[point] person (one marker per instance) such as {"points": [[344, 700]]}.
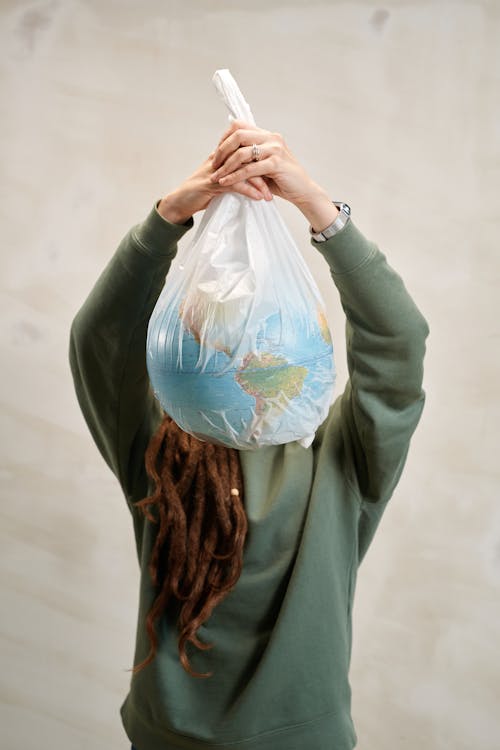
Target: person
{"points": [[249, 557]]}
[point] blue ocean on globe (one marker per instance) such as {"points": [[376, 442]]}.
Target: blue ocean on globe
{"points": [[276, 393]]}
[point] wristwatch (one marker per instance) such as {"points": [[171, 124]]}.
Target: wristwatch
{"points": [[339, 223]]}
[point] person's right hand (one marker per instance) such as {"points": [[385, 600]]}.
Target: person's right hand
{"points": [[196, 192]]}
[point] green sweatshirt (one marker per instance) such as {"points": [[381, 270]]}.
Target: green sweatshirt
{"points": [[282, 637]]}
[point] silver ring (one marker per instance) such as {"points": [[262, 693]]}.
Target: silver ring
{"points": [[255, 152]]}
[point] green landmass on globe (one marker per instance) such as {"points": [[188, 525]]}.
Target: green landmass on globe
{"points": [[264, 375], [267, 376]]}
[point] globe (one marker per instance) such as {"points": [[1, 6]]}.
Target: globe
{"points": [[276, 391]]}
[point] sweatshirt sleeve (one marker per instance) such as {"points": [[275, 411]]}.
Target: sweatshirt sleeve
{"points": [[385, 342], [107, 348]]}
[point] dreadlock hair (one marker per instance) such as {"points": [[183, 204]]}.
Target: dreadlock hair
{"points": [[197, 556]]}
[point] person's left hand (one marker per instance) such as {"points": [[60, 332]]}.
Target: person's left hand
{"points": [[196, 192], [277, 166]]}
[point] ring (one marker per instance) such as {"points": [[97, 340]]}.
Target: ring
{"points": [[255, 152]]}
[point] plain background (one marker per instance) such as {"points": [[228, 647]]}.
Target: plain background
{"points": [[394, 108]]}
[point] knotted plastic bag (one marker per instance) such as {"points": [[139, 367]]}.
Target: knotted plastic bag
{"points": [[239, 352]]}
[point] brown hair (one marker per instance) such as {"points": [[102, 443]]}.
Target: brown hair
{"points": [[198, 496]]}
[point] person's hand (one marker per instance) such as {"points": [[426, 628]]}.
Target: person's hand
{"points": [[280, 169], [277, 166], [196, 192]]}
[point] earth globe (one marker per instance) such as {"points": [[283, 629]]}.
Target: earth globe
{"points": [[271, 388]]}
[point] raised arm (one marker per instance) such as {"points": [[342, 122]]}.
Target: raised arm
{"points": [[107, 349], [383, 398]]}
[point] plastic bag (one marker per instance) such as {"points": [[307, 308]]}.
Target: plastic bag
{"points": [[239, 352]]}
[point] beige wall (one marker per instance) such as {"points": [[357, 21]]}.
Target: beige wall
{"points": [[105, 105]]}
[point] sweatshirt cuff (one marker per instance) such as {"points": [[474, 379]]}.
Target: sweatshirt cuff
{"points": [[346, 250], [158, 236]]}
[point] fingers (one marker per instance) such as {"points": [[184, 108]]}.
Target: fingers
{"points": [[242, 155], [254, 169], [262, 186], [235, 125], [233, 163], [235, 139], [245, 188]]}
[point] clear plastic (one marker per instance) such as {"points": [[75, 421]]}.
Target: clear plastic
{"points": [[239, 352]]}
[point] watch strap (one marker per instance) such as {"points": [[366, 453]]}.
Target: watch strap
{"points": [[336, 226]]}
